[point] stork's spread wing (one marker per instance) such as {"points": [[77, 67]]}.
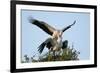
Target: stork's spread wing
{"points": [[48, 43], [64, 29], [44, 26]]}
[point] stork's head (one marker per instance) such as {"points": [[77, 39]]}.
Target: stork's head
{"points": [[57, 34]]}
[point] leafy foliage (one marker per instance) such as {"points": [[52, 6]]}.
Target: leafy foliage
{"points": [[62, 55], [66, 54]]}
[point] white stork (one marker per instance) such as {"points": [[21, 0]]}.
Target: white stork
{"points": [[55, 42]]}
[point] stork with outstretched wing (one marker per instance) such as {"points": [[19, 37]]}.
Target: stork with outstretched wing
{"points": [[55, 42]]}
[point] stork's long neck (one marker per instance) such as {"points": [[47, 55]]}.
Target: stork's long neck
{"points": [[57, 36]]}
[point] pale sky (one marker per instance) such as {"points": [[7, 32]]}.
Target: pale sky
{"points": [[78, 35]]}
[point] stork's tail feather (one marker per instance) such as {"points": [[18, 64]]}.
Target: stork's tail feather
{"points": [[41, 47]]}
